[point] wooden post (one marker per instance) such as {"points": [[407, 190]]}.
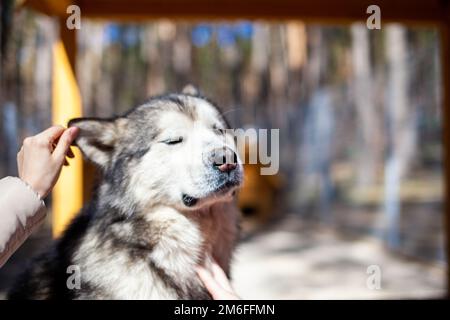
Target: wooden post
{"points": [[445, 62], [66, 104]]}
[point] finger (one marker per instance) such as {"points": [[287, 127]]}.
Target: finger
{"points": [[69, 154], [64, 143], [211, 285], [50, 135], [220, 276], [66, 163]]}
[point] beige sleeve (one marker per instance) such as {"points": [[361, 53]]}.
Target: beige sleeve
{"points": [[21, 212]]}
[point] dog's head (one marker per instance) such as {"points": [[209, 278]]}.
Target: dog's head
{"points": [[173, 150]]}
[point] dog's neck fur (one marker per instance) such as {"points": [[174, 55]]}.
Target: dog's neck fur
{"points": [[172, 243], [218, 224]]}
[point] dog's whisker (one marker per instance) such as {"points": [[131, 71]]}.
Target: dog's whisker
{"points": [[230, 110]]}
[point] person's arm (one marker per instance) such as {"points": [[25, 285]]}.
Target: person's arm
{"points": [[39, 164], [22, 210]]}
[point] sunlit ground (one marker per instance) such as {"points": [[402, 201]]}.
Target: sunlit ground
{"points": [[292, 260]]}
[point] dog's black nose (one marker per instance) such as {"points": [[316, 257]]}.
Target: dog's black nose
{"points": [[224, 159]]}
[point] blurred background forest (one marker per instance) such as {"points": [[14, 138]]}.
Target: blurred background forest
{"points": [[359, 113]]}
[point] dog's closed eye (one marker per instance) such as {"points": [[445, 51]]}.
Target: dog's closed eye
{"points": [[218, 130], [172, 141]]}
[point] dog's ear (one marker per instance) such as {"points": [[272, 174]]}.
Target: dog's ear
{"points": [[97, 138], [191, 90]]}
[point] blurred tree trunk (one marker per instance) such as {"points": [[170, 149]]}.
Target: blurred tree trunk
{"points": [[368, 122], [156, 83], [254, 80], [401, 128], [6, 16], [10, 84], [89, 72], [317, 122], [278, 78], [296, 42], [182, 57], [42, 74]]}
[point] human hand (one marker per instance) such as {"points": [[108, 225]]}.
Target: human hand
{"points": [[217, 283], [42, 156]]}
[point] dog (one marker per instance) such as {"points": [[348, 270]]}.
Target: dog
{"points": [[163, 205]]}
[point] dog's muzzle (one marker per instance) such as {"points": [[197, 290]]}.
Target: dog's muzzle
{"points": [[227, 174]]}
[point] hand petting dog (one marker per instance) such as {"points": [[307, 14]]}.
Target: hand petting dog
{"points": [[42, 156], [39, 163]]}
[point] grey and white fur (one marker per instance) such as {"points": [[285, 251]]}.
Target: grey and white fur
{"points": [[163, 205]]}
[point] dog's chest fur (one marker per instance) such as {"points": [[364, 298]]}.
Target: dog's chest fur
{"points": [[154, 256]]}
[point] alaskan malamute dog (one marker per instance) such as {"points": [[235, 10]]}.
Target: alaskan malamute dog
{"points": [[164, 204]]}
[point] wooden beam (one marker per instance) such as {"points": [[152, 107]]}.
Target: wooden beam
{"points": [[67, 197], [50, 7], [408, 11], [323, 11]]}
